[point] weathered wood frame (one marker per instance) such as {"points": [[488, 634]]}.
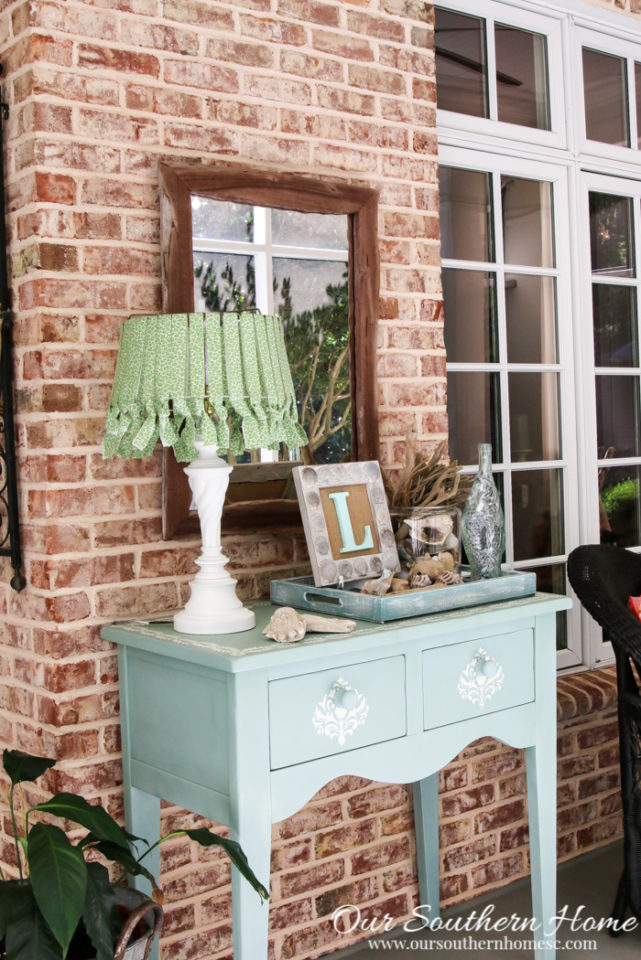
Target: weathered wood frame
{"points": [[285, 191]]}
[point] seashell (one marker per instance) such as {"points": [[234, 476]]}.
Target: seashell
{"points": [[426, 566], [450, 577], [451, 544], [378, 587], [285, 626], [420, 580], [398, 585], [317, 624]]}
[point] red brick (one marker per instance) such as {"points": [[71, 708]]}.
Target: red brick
{"points": [[119, 602], [374, 801], [159, 36], [310, 10], [383, 29], [200, 12], [340, 45], [243, 114], [55, 188], [205, 76], [121, 61], [58, 397], [291, 61], [346, 101], [291, 854], [499, 816], [344, 838], [358, 892], [498, 870], [457, 858], [371, 78], [248, 54], [373, 858]]}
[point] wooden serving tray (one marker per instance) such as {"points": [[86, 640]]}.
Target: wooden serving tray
{"points": [[302, 593]]}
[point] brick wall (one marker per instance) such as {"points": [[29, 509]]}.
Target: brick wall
{"points": [[99, 93]]}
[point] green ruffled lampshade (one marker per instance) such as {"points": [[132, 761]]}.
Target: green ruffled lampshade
{"points": [[224, 376]]}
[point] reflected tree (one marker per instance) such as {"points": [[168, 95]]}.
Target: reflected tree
{"points": [[317, 346]]}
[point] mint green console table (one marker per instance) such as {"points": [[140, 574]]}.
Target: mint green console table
{"points": [[244, 731]]}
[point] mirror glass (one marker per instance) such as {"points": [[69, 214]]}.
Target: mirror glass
{"points": [[295, 265]]}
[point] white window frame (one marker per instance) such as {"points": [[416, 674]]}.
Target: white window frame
{"points": [[569, 25]]}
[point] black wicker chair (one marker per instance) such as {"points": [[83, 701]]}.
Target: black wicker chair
{"points": [[603, 578]]}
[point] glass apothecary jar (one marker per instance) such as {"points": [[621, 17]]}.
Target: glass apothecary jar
{"points": [[427, 531]]}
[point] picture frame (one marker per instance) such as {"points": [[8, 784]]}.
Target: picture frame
{"points": [[346, 521]]}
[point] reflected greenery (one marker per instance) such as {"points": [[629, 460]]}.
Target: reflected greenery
{"points": [[317, 345]]}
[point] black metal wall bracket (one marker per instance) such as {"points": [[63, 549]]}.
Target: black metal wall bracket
{"points": [[9, 516]]}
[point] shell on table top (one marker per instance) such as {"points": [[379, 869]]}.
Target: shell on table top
{"points": [[286, 626], [317, 624]]}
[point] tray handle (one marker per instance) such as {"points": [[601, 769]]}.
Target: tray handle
{"points": [[317, 599]]}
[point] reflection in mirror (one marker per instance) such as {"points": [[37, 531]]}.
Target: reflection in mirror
{"points": [[234, 236], [293, 264]]}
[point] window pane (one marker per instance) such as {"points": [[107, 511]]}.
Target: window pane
{"points": [[637, 84], [606, 98], [617, 413], [537, 507], [611, 241], [530, 307], [461, 63], [223, 281], [620, 508], [473, 406], [534, 416], [325, 230], [466, 215], [527, 222], [469, 301], [521, 77], [311, 296], [551, 579], [221, 220], [615, 326], [301, 285]]}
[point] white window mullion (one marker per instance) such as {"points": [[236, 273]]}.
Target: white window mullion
{"points": [[492, 96]]}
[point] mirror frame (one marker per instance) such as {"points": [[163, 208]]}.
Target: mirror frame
{"points": [[285, 191]]}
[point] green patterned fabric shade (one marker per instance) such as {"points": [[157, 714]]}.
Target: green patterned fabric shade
{"points": [[222, 376]]}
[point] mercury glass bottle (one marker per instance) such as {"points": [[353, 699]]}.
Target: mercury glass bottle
{"points": [[483, 528]]}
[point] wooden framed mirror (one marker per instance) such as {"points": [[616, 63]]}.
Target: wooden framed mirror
{"points": [[185, 193]]}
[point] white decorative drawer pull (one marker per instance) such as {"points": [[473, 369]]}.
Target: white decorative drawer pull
{"points": [[481, 679], [340, 712]]}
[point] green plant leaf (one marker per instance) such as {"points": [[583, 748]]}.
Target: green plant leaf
{"points": [[14, 897], [95, 818], [27, 935], [207, 838], [126, 859], [100, 902], [22, 767], [59, 880]]}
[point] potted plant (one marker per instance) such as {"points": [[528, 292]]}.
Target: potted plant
{"points": [[64, 905]]}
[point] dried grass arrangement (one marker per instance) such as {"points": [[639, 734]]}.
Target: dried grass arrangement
{"points": [[428, 483]]}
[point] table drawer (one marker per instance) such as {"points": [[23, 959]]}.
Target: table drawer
{"points": [[333, 711], [471, 679]]}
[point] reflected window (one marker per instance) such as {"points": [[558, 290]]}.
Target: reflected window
{"points": [[522, 77], [461, 63], [605, 92], [293, 264], [611, 241]]}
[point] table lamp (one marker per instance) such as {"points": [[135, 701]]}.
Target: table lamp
{"points": [[203, 382]]}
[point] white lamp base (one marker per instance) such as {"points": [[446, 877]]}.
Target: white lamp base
{"points": [[213, 606]]}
